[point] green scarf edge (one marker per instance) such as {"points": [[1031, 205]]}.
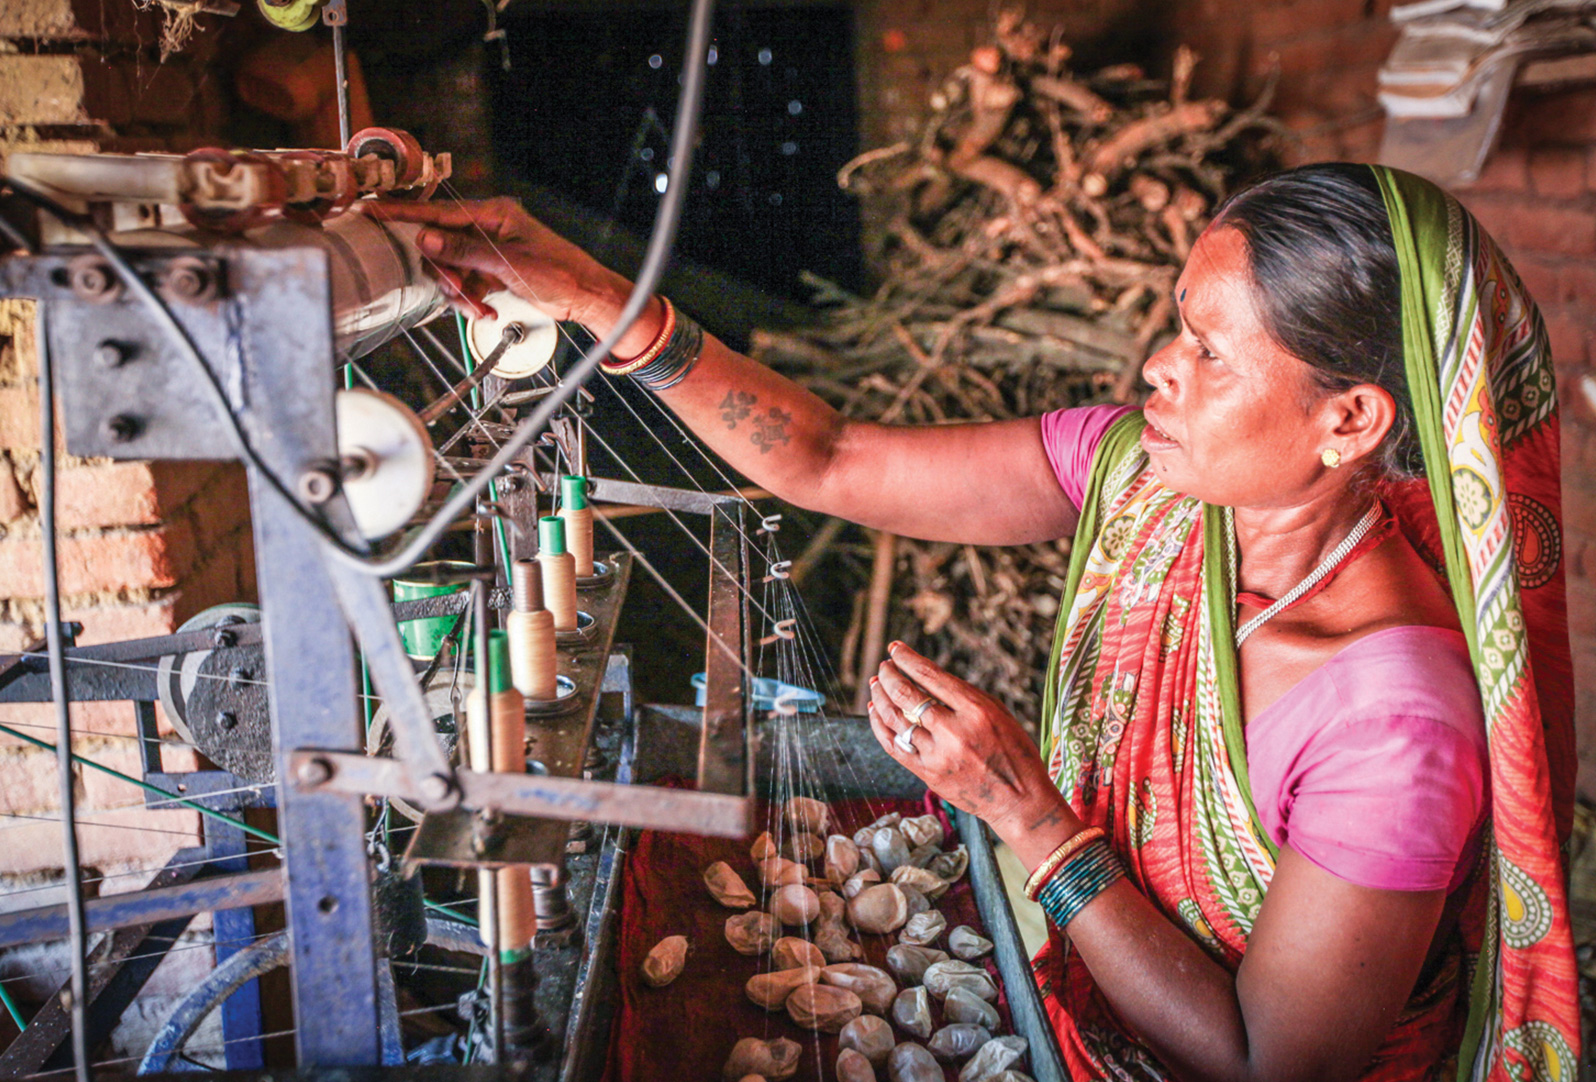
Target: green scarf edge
{"points": [[1122, 439], [1221, 594], [1407, 199]]}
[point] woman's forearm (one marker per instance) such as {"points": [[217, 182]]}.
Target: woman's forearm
{"points": [[778, 434], [1329, 965], [1159, 981]]}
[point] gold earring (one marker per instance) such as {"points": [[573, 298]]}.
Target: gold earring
{"points": [[1330, 457]]}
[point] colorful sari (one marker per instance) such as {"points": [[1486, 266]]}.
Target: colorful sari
{"points": [[1144, 732]]}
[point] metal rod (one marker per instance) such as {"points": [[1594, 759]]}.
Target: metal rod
{"points": [[340, 64], [513, 333], [221, 817], [489, 930], [76, 933]]}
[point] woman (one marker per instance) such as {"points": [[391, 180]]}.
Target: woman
{"points": [[1268, 817]]}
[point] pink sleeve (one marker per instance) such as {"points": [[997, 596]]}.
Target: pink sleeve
{"points": [[1392, 806], [1374, 767], [1070, 438]]}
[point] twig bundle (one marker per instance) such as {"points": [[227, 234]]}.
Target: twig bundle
{"points": [[1028, 241]]}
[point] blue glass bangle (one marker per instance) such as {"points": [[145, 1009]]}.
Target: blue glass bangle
{"points": [[678, 357], [1082, 878]]}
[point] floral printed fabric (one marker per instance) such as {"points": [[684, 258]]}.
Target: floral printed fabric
{"points": [[1144, 727]]}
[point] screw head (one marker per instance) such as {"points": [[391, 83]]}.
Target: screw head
{"points": [[189, 279], [123, 428], [434, 788], [92, 279], [315, 771], [223, 639], [317, 485], [226, 719], [109, 354]]}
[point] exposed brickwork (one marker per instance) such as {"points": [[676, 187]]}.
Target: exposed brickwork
{"points": [[142, 546]]}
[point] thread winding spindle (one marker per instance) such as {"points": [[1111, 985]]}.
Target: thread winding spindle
{"points": [[559, 572], [534, 657], [578, 516]]}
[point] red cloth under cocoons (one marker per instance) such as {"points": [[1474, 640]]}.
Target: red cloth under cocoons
{"points": [[686, 1030]]}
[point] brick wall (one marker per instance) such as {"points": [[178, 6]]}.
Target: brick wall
{"points": [[1536, 196], [143, 546]]}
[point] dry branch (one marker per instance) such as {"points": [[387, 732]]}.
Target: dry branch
{"points": [[1031, 235]]}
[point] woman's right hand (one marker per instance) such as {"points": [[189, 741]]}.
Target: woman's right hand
{"points": [[480, 247]]}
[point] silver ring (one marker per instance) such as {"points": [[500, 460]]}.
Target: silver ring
{"points": [[914, 712], [905, 739]]}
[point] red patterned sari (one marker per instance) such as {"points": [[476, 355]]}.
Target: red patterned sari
{"points": [[1145, 733]]}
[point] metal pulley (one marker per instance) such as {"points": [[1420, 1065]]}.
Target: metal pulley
{"points": [[540, 336], [385, 457], [216, 698]]}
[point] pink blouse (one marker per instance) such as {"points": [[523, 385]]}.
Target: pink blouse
{"points": [[1374, 767]]}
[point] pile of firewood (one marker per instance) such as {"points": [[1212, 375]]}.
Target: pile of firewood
{"points": [[1028, 241]]}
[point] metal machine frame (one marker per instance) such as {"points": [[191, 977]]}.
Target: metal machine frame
{"points": [[129, 394]]}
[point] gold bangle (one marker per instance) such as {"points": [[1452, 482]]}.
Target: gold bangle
{"points": [[1068, 848], [655, 348]]}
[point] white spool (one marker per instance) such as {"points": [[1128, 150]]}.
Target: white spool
{"points": [[381, 432], [531, 354]]}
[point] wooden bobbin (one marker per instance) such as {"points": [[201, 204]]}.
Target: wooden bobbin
{"points": [[496, 728], [578, 518], [534, 659], [579, 536], [559, 572]]}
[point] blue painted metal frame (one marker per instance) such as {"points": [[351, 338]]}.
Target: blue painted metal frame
{"points": [[232, 929]]}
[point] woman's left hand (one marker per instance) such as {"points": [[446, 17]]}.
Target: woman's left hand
{"points": [[967, 747]]}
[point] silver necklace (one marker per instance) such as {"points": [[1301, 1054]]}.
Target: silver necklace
{"points": [[1339, 553]]}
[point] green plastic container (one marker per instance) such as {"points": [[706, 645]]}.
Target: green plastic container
{"points": [[422, 638]]}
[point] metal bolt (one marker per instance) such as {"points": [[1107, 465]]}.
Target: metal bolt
{"points": [[109, 354], [435, 788], [226, 719], [239, 676], [510, 484], [486, 831], [317, 485], [315, 771], [189, 279], [513, 333], [93, 280], [224, 639], [123, 428]]}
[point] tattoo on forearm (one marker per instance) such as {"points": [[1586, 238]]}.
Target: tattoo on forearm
{"points": [[770, 428], [735, 406], [1051, 817]]}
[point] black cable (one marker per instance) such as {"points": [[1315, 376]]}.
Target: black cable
{"points": [[77, 934]]}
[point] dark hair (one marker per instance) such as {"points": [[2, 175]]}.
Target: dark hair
{"points": [[1325, 268]]}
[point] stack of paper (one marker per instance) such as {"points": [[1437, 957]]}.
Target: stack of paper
{"points": [[1450, 49]]}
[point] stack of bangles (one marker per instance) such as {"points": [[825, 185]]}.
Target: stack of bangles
{"points": [[669, 358], [1075, 874]]}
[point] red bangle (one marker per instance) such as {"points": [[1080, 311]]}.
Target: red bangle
{"points": [[625, 368], [1056, 860]]}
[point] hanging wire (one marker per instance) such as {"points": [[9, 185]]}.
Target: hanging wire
{"points": [[77, 933], [221, 817]]}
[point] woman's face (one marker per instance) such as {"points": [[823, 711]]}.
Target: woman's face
{"points": [[1234, 419]]}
